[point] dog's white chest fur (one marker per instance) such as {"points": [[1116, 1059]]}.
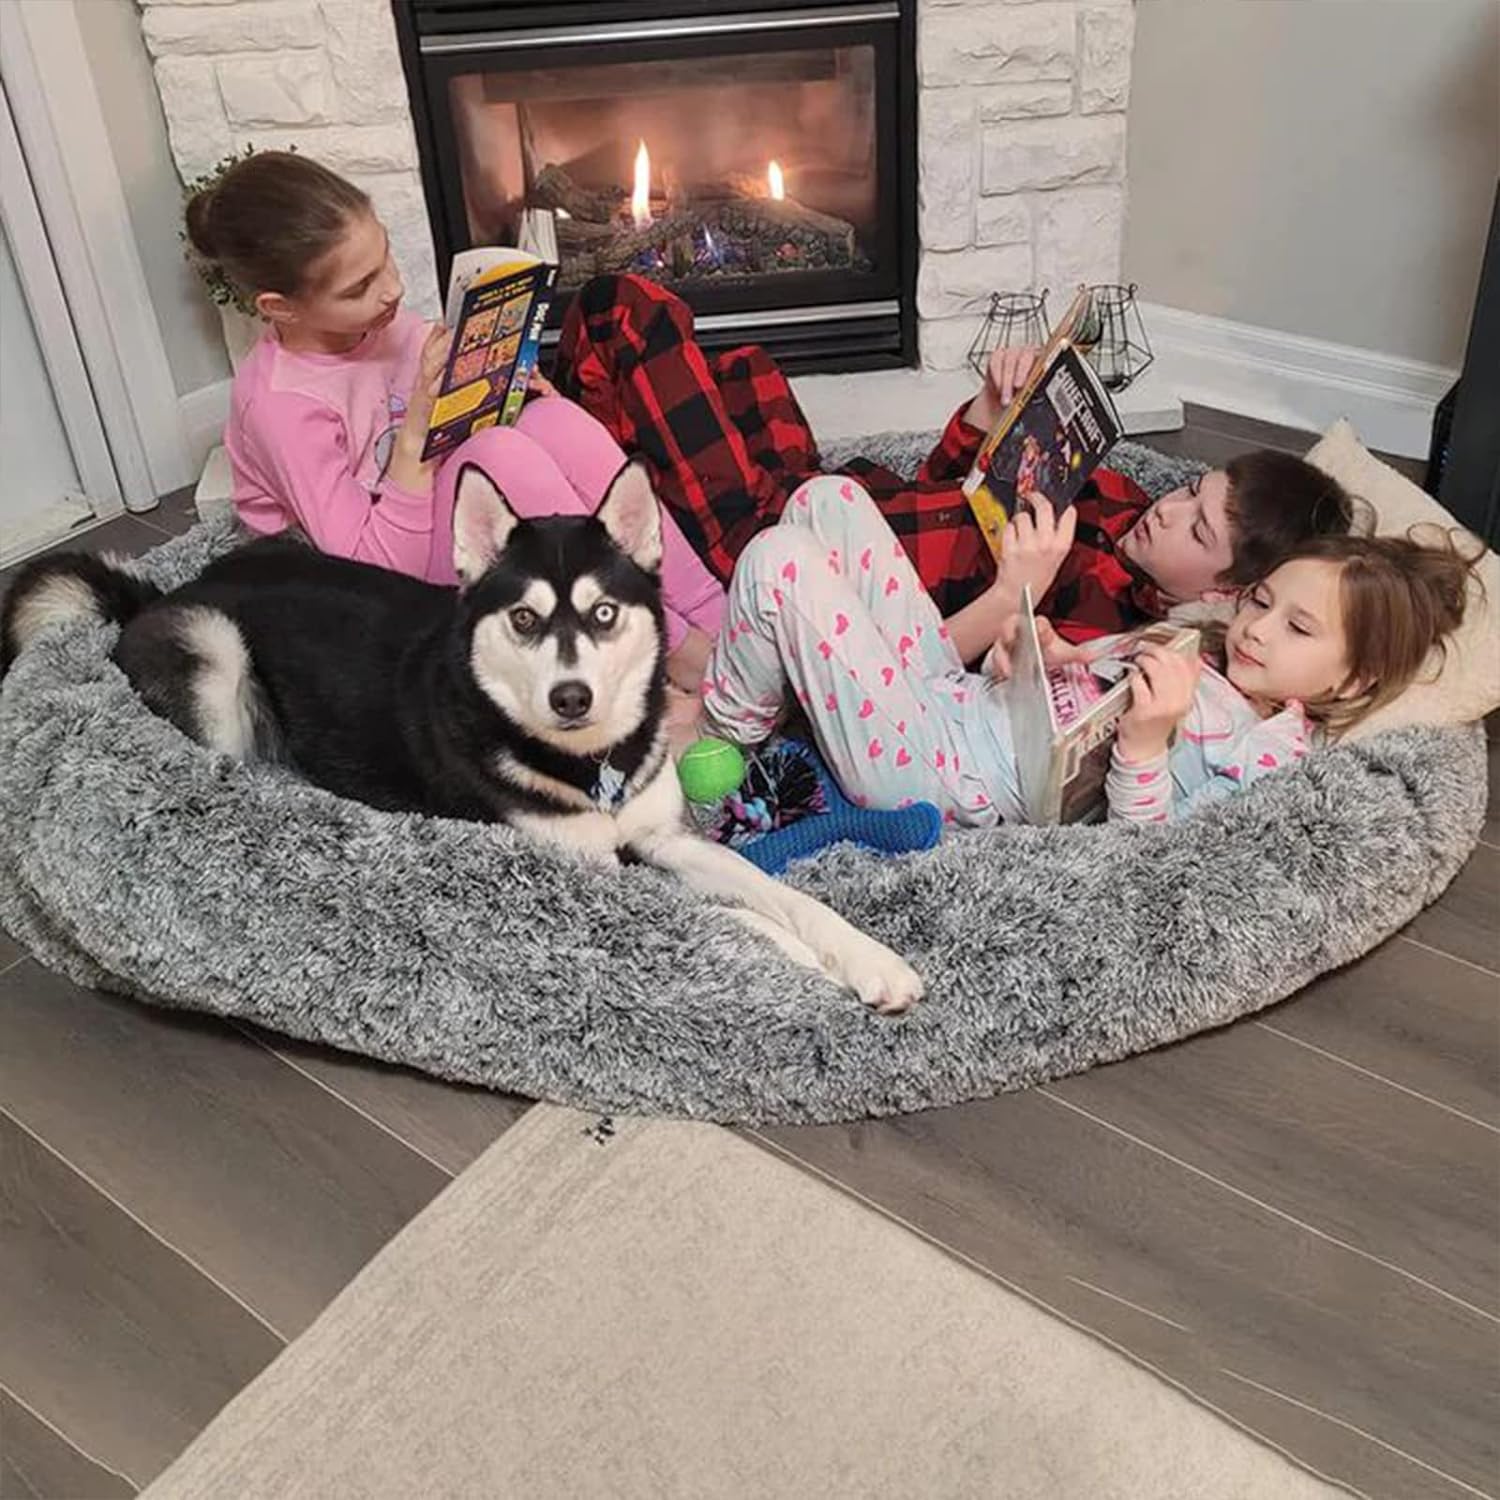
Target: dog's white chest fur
{"points": [[600, 833]]}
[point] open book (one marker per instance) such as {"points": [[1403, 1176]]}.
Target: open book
{"points": [[1063, 719], [497, 306], [1053, 434]]}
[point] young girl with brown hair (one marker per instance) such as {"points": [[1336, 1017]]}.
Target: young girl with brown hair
{"points": [[330, 409]]}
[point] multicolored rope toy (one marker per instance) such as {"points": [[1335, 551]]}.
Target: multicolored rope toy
{"points": [[789, 806]]}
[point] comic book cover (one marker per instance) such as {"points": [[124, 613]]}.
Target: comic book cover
{"points": [[497, 306], [1047, 445]]}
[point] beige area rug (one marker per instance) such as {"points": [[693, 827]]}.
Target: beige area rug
{"points": [[670, 1311]]}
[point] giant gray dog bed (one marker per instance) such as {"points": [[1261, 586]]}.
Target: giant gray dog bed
{"points": [[132, 860]]}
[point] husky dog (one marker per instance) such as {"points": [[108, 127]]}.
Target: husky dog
{"points": [[533, 695]]}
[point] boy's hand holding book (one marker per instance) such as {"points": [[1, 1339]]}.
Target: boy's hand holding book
{"points": [[1036, 545], [1007, 372]]}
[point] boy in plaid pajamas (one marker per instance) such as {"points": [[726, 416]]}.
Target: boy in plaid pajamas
{"points": [[728, 444]]}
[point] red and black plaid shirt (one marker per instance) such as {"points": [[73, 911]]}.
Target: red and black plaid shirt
{"points": [[729, 444]]}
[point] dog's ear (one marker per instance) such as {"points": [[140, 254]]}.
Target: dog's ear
{"points": [[631, 514], [482, 523]]}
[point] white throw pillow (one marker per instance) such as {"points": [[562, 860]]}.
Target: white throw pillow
{"points": [[1464, 685]]}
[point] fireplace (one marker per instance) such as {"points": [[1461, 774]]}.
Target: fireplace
{"points": [[1000, 166], [761, 163]]}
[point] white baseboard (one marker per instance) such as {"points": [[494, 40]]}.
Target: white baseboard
{"points": [[1295, 381], [202, 414], [70, 514]]}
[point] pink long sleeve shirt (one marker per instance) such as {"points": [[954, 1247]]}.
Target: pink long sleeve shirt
{"points": [[310, 437]]}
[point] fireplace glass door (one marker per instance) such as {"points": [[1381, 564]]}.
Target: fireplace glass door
{"points": [[752, 162]]}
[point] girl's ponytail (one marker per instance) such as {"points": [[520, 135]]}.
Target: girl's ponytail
{"points": [[1440, 576], [198, 215], [270, 219]]}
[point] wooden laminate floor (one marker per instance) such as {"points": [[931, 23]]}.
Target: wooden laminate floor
{"points": [[1295, 1219]]}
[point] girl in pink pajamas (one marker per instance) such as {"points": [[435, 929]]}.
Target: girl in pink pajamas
{"points": [[825, 609], [330, 410]]}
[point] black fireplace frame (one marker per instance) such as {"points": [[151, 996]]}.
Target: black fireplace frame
{"points": [[820, 320]]}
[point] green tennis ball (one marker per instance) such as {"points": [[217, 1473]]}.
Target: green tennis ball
{"points": [[710, 769]]}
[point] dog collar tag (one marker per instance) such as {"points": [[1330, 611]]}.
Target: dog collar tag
{"points": [[609, 788]]}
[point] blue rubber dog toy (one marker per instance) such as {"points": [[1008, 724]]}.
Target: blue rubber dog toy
{"points": [[904, 830]]}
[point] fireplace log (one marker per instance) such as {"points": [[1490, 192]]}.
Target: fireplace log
{"points": [[761, 232], [528, 155], [740, 185], [678, 194], [751, 185], [583, 235], [578, 245], [554, 188], [792, 221], [629, 244]]}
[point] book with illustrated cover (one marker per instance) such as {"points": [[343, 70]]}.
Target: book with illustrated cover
{"points": [[1063, 719], [497, 306], [1053, 434]]}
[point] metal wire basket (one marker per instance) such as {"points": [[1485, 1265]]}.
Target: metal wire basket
{"points": [[1013, 319], [1122, 350]]}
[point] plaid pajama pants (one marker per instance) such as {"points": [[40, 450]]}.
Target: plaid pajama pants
{"points": [[729, 443]]}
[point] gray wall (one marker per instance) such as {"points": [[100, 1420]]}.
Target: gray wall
{"points": [[153, 192], [1320, 167]]}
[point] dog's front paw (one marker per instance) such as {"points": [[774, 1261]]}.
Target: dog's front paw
{"points": [[884, 981]]}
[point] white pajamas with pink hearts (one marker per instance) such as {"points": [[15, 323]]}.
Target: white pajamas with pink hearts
{"points": [[1222, 746], [826, 607]]}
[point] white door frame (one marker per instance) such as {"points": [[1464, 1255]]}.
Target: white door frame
{"points": [[48, 306], [72, 171]]}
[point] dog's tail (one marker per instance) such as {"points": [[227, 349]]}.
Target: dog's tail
{"points": [[68, 586]]}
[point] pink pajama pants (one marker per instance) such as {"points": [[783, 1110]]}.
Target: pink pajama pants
{"points": [[825, 607]]}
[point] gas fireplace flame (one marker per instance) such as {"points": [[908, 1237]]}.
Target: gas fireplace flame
{"points": [[774, 179], [640, 197]]}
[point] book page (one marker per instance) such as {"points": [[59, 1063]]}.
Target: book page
{"points": [[1033, 727], [482, 263]]}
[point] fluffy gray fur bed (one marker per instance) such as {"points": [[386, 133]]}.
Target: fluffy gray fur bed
{"points": [[132, 860]]}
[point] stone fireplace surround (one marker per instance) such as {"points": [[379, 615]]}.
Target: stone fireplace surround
{"points": [[1021, 152]]}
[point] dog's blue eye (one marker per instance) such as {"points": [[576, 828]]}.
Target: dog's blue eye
{"points": [[524, 621], [604, 614]]}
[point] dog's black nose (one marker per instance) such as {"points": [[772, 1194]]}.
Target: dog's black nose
{"points": [[571, 700]]}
